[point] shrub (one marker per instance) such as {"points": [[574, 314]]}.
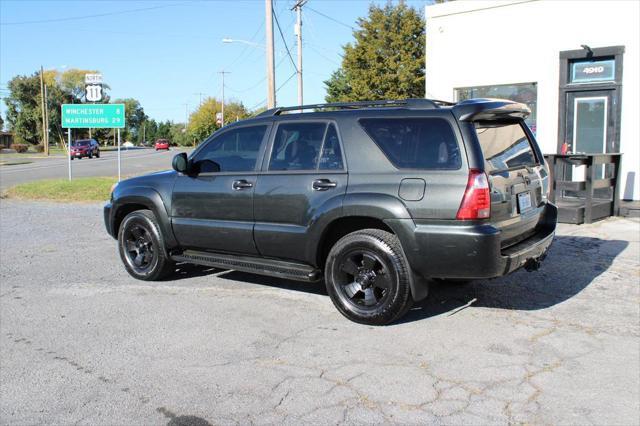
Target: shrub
{"points": [[39, 147], [19, 147]]}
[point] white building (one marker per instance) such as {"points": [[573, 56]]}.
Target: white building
{"points": [[575, 63]]}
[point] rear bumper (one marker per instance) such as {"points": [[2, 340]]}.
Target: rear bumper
{"points": [[470, 251]]}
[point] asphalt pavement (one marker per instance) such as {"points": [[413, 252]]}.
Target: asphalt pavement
{"points": [[81, 342], [134, 162]]}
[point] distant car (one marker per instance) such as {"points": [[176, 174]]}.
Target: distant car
{"points": [[162, 144], [85, 148], [128, 144]]}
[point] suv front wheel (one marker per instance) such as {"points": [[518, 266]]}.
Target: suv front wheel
{"points": [[367, 277], [142, 248]]}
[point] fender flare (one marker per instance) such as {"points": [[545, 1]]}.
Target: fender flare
{"points": [[152, 200], [376, 206]]}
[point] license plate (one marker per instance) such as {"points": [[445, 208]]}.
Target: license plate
{"points": [[524, 201]]}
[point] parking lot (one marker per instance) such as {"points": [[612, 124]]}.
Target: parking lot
{"points": [[82, 342]]}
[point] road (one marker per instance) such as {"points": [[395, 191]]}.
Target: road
{"points": [[134, 162], [82, 342]]}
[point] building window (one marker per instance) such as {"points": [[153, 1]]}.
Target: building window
{"points": [[526, 93]]}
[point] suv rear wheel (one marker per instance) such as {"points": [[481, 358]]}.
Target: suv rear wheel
{"points": [[367, 277], [142, 248]]}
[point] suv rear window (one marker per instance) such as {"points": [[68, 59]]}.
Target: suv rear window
{"points": [[415, 143], [504, 145]]}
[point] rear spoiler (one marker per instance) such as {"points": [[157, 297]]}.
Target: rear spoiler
{"points": [[489, 109]]}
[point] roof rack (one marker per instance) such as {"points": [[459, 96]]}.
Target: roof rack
{"points": [[410, 103]]}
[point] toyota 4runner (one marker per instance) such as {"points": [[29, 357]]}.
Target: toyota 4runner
{"points": [[375, 197]]}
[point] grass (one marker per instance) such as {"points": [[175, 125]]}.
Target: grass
{"points": [[63, 190]]}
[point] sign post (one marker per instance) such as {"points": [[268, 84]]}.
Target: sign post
{"points": [[69, 148], [119, 155], [82, 116]]}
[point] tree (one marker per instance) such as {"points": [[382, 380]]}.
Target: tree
{"points": [[338, 88], [386, 61], [134, 117], [1, 123], [202, 122], [179, 136], [24, 113], [72, 82], [164, 130]]}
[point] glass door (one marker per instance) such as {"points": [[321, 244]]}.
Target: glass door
{"points": [[589, 130]]}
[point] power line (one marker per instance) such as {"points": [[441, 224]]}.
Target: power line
{"points": [[280, 87], [285, 43], [258, 83], [330, 18], [246, 46], [96, 15]]}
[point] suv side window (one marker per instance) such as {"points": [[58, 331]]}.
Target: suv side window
{"points": [[233, 151], [296, 146], [415, 143]]}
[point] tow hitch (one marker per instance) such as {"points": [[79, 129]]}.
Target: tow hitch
{"points": [[534, 264]]}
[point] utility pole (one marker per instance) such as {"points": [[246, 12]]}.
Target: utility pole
{"points": [[199, 94], [298, 9], [186, 116], [44, 122], [223, 72], [271, 77]]}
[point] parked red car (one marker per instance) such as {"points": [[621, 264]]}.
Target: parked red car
{"points": [[162, 144], [85, 148]]}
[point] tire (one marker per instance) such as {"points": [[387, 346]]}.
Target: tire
{"points": [[90, 155], [354, 277], [139, 233], [71, 158], [98, 154]]}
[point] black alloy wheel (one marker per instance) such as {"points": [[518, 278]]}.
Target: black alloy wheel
{"points": [[141, 247], [365, 279], [368, 277]]}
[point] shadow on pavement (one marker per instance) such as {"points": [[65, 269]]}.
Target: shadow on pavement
{"points": [[571, 265]]}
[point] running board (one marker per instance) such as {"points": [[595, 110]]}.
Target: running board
{"points": [[254, 265]]}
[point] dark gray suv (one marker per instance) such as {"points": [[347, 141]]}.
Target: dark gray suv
{"points": [[375, 197]]}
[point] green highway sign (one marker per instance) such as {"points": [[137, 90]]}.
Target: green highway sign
{"points": [[84, 116]]}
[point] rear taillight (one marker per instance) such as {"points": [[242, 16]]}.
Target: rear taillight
{"points": [[476, 202]]}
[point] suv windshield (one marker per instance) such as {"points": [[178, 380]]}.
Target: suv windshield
{"points": [[81, 143], [504, 145]]}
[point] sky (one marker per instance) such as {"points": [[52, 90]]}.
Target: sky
{"points": [[167, 54]]}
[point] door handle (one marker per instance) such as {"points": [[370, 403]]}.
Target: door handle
{"points": [[323, 184], [241, 184]]}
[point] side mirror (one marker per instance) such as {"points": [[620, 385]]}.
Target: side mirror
{"points": [[180, 163]]}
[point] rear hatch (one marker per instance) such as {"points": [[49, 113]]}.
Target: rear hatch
{"points": [[517, 178]]}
